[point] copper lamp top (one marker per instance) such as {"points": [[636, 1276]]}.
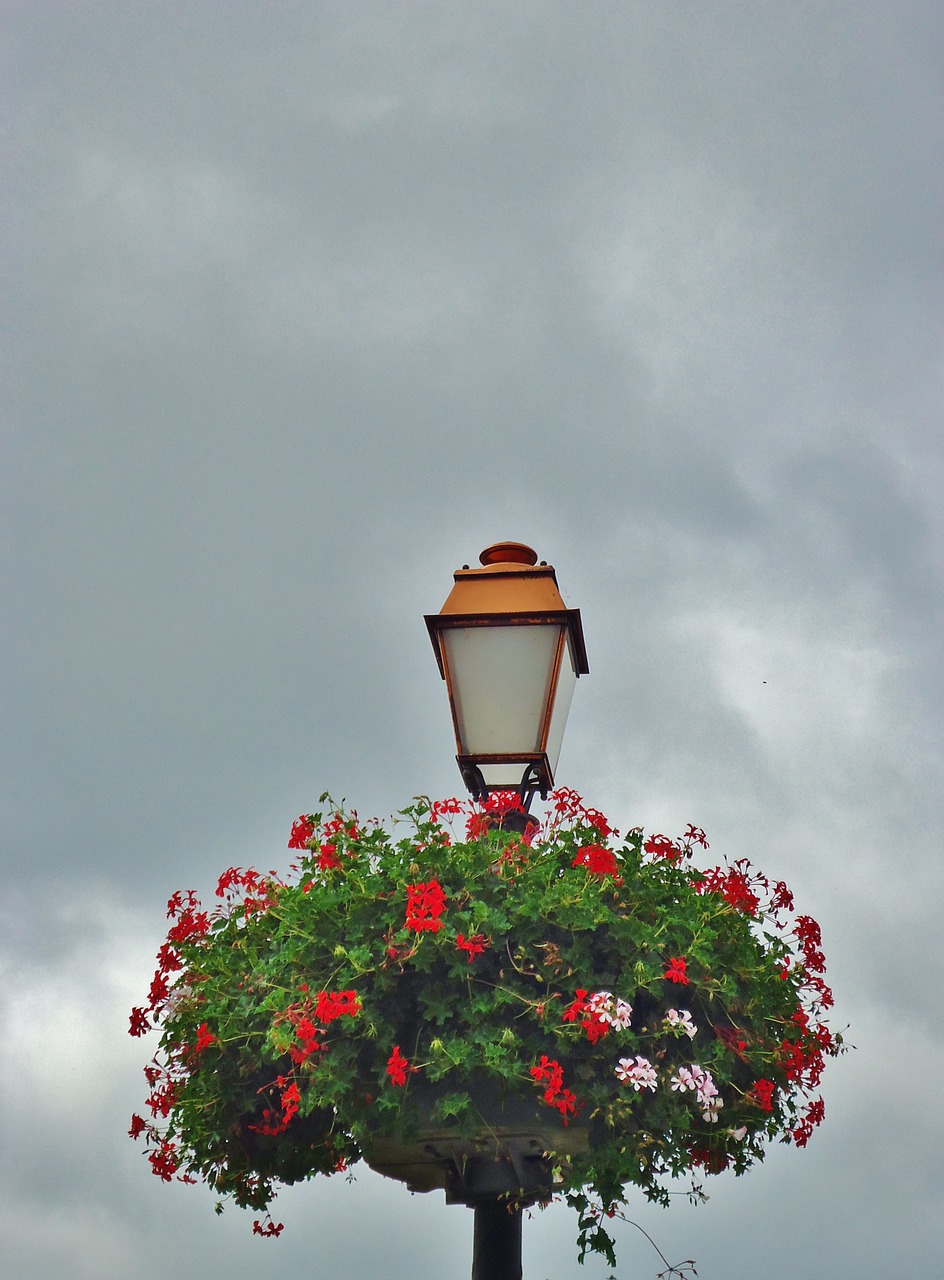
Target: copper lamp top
{"points": [[508, 553]]}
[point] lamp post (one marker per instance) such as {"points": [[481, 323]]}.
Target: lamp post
{"points": [[510, 652]]}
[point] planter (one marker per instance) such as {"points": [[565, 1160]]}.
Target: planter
{"points": [[507, 1150]]}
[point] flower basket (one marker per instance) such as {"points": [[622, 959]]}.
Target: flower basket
{"points": [[505, 1147], [556, 1011]]}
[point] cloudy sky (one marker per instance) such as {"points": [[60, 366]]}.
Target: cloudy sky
{"points": [[306, 304]]}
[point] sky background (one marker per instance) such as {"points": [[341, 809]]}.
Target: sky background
{"points": [[306, 304]]}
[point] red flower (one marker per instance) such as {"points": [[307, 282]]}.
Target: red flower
{"points": [[476, 826], [710, 1161], [158, 991], [595, 1026], [290, 1100], [808, 932], [813, 1116], [663, 847], [598, 861], [179, 900], [502, 802], [328, 857], [204, 1038], [445, 809], [302, 830], [550, 1073], [762, 1093], [139, 1023], [473, 946], [576, 1007], [190, 924], [398, 1068], [596, 819], [164, 1161], [138, 1126], [425, 905], [565, 1102], [675, 971], [269, 1229], [336, 1004], [168, 960], [161, 1099]]}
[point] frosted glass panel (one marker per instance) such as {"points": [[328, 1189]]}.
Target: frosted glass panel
{"points": [[500, 678], [565, 693], [504, 776]]}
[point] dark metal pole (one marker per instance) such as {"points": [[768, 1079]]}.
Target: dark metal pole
{"points": [[496, 1243]]}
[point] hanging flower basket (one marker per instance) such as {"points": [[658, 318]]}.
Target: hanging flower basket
{"points": [[553, 1012]]}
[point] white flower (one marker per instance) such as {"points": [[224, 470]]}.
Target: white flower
{"points": [[711, 1110], [683, 1019], [601, 1004], [622, 1017], [707, 1089], [638, 1072], [683, 1080]]}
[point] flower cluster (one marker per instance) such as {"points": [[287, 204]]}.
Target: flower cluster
{"points": [[550, 1074], [424, 907], [388, 984]]}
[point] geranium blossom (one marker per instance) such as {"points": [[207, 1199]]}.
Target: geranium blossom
{"points": [[597, 860], [550, 1073], [663, 847], [638, 1072], [675, 971], [302, 830], [683, 1080], [681, 1019], [614, 1012], [398, 1067], [473, 946], [425, 905], [580, 1010], [762, 1093]]}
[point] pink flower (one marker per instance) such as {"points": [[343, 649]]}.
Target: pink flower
{"points": [[638, 1072]]}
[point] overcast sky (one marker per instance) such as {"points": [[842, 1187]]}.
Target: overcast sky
{"points": [[306, 304]]}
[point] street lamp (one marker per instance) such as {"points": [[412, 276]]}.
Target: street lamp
{"points": [[510, 652]]}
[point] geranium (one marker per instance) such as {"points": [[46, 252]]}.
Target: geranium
{"points": [[398, 1068], [763, 1093], [473, 946], [425, 905], [302, 830], [681, 1020], [597, 860], [392, 985], [638, 1072], [675, 971]]}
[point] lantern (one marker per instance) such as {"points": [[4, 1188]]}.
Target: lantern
{"points": [[510, 652]]}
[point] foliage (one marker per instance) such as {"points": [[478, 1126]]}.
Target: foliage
{"points": [[675, 1014]]}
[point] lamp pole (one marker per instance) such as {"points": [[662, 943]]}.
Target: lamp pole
{"points": [[496, 1241]]}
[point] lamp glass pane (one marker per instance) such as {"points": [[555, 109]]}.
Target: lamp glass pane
{"points": [[500, 678], [566, 684], [506, 777]]}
